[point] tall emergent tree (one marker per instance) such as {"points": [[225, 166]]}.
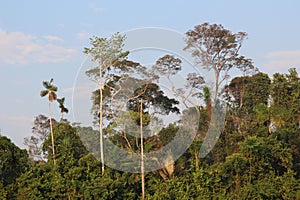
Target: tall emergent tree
{"points": [[110, 58], [50, 90], [216, 48], [142, 148], [145, 99]]}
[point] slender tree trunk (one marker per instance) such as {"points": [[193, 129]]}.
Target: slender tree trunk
{"points": [[52, 136], [217, 76], [142, 149], [101, 121]]}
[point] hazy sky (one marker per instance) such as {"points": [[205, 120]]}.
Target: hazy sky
{"points": [[40, 40]]}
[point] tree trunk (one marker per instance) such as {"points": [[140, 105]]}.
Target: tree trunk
{"points": [[52, 136], [101, 121], [142, 149], [217, 76]]}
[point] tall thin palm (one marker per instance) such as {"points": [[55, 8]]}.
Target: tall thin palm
{"points": [[62, 107], [49, 91]]}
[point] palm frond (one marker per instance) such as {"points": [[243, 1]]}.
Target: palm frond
{"points": [[43, 93], [61, 105], [61, 101], [64, 109], [46, 84], [52, 96], [53, 88]]}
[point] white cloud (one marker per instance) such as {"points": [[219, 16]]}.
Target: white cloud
{"points": [[83, 35], [282, 60], [53, 38], [20, 48]]}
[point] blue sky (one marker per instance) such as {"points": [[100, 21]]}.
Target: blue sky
{"points": [[44, 39]]}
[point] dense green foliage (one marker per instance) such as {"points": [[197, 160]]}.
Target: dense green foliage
{"points": [[256, 157]]}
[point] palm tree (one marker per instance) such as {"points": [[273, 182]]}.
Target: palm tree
{"points": [[62, 107], [49, 91]]}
